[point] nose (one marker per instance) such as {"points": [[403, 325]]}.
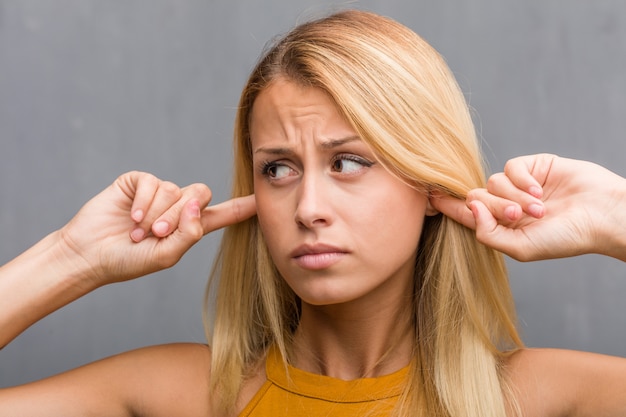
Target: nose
{"points": [[312, 207]]}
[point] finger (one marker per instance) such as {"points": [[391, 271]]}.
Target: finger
{"points": [[228, 213], [488, 230], [164, 197], [454, 208], [486, 223], [140, 188], [528, 173], [504, 210], [144, 186], [490, 233], [500, 185], [168, 221], [189, 230]]}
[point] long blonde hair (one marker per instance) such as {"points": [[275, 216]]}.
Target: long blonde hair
{"points": [[403, 100]]}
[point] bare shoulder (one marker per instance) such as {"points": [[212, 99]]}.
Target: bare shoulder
{"points": [[170, 379], [556, 382], [155, 381]]}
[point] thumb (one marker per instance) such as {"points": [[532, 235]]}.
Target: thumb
{"points": [[189, 231], [228, 213], [487, 227]]}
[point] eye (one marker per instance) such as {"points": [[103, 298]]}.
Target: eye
{"points": [[349, 164], [276, 170]]}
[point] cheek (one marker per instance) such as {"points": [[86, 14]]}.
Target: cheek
{"points": [[401, 218]]}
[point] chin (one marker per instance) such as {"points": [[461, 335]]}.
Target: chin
{"points": [[326, 295]]}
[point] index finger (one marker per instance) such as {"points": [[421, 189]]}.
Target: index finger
{"points": [[228, 213], [454, 208], [529, 172]]}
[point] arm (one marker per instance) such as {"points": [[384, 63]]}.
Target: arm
{"points": [[166, 380], [38, 282], [136, 226], [556, 382], [544, 206]]}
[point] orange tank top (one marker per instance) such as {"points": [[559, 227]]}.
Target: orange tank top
{"points": [[293, 392]]}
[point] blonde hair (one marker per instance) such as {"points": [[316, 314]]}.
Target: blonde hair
{"points": [[404, 102]]}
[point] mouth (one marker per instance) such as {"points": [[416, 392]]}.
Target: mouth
{"points": [[318, 256]]}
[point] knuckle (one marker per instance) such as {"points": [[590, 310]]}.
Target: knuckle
{"points": [[516, 163], [511, 163], [200, 190], [148, 176], [473, 194], [494, 180], [171, 189], [195, 234], [128, 175], [145, 177]]}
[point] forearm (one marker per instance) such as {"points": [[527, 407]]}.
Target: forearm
{"points": [[41, 280]]}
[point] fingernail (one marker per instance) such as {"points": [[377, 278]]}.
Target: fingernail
{"points": [[137, 216], [536, 210], [160, 228], [535, 191], [194, 208], [137, 234], [511, 212]]}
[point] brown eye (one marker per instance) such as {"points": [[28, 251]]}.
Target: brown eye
{"points": [[349, 164], [276, 170], [337, 165]]}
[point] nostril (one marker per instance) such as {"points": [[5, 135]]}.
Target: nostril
{"points": [[312, 208], [310, 221]]}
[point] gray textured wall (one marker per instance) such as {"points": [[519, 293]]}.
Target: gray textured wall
{"points": [[90, 89]]}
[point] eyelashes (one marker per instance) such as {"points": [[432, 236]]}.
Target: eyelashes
{"points": [[268, 168], [276, 170], [349, 161], [341, 164]]}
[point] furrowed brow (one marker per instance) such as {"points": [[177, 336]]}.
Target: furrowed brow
{"points": [[333, 143], [275, 151], [327, 144]]}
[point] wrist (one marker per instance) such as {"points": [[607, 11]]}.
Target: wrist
{"points": [[614, 233], [67, 261]]}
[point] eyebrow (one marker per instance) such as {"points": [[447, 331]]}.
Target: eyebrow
{"points": [[327, 144]]}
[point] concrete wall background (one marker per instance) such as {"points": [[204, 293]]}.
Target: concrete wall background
{"points": [[90, 89]]}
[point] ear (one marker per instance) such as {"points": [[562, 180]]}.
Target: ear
{"points": [[430, 209]]}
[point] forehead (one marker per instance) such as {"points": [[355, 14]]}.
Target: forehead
{"points": [[288, 111]]}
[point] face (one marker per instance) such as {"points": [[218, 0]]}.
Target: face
{"points": [[338, 225]]}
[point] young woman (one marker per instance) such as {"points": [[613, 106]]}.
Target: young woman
{"points": [[370, 281]]}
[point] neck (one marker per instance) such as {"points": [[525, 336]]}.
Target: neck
{"points": [[363, 338]]}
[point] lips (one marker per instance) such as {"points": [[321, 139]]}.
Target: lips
{"points": [[317, 256]]}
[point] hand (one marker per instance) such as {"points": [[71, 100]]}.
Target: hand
{"points": [[141, 224], [544, 206]]}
